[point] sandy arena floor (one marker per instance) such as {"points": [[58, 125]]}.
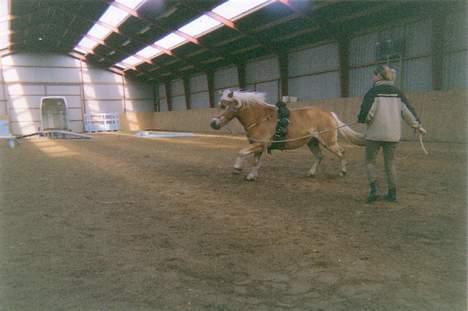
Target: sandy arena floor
{"points": [[125, 223]]}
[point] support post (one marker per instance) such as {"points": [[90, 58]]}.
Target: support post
{"points": [[343, 52], [188, 97], [211, 90], [283, 68], [167, 85], [241, 75]]}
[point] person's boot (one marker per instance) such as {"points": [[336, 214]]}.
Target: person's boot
{"points": [[373, 193], [391, 195]]}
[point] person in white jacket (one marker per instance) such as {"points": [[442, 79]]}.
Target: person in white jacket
{"points": [[382, 109]]}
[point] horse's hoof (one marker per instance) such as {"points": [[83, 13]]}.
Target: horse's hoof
{"points": [[343, 174], [250, 178], [236, 171], [310, 175]]}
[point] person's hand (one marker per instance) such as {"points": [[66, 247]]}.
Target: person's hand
{"points": [[420, 130]]}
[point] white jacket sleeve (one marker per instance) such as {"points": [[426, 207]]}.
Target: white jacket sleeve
{"points": [[408, 116]]}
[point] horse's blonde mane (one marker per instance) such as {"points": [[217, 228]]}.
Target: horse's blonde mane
{"points": [[248, 98]]}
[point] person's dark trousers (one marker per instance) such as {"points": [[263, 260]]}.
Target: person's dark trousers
{"points": [[372, 150]]}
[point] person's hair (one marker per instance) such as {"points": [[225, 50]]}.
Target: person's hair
{"points": [[385, 72]]}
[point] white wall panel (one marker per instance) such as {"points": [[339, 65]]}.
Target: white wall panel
{"points": [[417, 75], [319, 86], [103, 91], [362, 49], [225, 78], [76, 126], [200, 100], [162, 90], [91, 75], [217, 97], [74, 114], [97, 106], [73, 101], [456, 31], [45, 75], [59, 90], [138, 90], [262, 70], [23, 128], [163, 105], [178, 103], [28, 77], [24, 114], [455, 71], [21, 89], [43, 60], [314, 60], [418, 38], [360, 80], [198, 83], [25, 102], [270, 89], [177, 87], [3, 109], [139, 105]]}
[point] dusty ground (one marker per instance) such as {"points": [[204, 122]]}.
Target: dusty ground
{"points": [[124, 223]]}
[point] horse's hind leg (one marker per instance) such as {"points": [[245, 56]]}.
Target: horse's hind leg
{"points": [[314, 147], [339, 152], [254, 171]]}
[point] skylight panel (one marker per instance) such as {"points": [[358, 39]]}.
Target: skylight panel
{"points": [[132, 61], [3, 42], [230, 10], [149, 52], [114, 16], [235, 9], [5, 24], [87, 43], [131, 4], [170, 41], [82, 51], [99, 31], [200, 26], [120, 65]]}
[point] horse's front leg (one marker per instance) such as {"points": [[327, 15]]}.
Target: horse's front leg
{"points": [[252, 149], [254, 171]]}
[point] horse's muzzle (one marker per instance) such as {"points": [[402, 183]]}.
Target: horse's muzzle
{"points": [[215, 124]]}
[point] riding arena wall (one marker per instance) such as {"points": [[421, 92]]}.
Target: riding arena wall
{"points": [[443, 115]]}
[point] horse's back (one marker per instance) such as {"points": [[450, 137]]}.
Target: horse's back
{"points": [[315, 116]]}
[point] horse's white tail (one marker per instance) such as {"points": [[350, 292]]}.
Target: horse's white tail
{"points": [[348, 133]]}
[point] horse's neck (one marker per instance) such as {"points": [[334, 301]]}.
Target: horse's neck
{"points": [[255, 114]]}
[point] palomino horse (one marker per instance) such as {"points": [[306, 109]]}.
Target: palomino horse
{"points": [[310, 125]]}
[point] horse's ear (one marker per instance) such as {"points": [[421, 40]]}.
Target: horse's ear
{"points": [[231, 94]]}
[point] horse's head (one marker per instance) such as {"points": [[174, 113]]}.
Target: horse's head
{"points": [[229, 107]]}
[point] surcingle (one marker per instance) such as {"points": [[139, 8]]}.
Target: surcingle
{"points": [[281, 127]]}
